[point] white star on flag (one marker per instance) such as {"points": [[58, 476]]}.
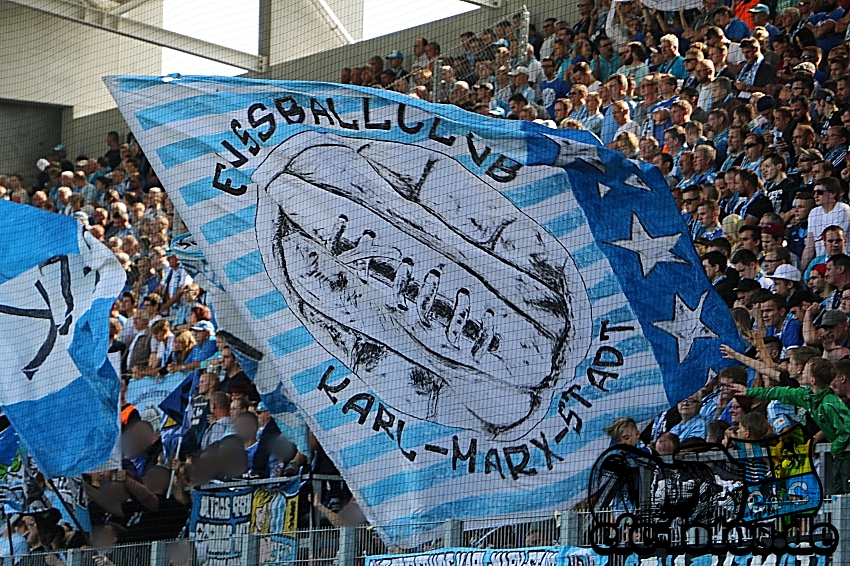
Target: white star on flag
{"points": [[686, 326], [651, 250]]}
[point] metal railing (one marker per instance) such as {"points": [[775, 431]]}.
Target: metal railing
{"points": [[349, 546]]}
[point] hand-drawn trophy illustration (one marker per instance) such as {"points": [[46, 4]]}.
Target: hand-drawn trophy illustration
{"points": [[449, 302]]}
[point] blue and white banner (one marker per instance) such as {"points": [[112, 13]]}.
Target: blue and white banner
{"points": [[457, 305], [539, 556], [57, 286]]}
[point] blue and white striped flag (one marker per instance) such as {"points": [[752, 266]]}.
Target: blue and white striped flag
{"points": [[57, 287], [458, 305]]}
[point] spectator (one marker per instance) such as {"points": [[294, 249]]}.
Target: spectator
{"points": [[221, 424]]}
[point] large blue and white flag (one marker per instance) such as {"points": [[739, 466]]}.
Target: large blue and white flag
{"points": [[457, 305], [57, 287]]}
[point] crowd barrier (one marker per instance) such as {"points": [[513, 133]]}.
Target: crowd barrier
{"points": [[350, 546]]}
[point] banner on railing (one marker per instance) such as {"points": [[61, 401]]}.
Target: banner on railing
{"points": [[219, 518], [571, 556], [457, 305], [542, 556]]}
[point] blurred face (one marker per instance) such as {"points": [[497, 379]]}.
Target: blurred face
{"points": [[819, 171], [752, 148], [725, 392], [629, 436], [706, 216], [841, 91], [686, 163], [772, 316], [834, 139], [649, 89], [701, 162], [667, 50], [833, 242], [691, 201], [560, 112], [801, 139], [845, 302], [735, 411], [620, 114], [817, 282], [833, 274], [750, 242], [798, 110], [689, 408], [769, 170], [802, 208], [781, 122]]}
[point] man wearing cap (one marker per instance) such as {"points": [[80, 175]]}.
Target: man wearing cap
{"points": [[786, 280], [760, 14], [836, 334], [395, 60], [520, 81], [744, 291], [62, 156]]}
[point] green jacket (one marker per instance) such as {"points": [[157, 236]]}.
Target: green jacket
{"points": [[828, 411]]}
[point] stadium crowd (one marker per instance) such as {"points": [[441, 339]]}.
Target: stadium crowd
{"points": [[745, 109]]}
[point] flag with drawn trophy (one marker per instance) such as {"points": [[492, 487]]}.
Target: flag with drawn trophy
{"points": [[456, 304], [57, 287]]}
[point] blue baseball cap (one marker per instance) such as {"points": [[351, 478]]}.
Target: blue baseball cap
{"points": [[395, 55]]}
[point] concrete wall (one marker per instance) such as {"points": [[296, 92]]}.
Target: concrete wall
{"points": [[28, 131], [49, 60], [302, 27]]}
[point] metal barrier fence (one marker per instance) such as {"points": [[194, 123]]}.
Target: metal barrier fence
{"points": [[349, 546]]}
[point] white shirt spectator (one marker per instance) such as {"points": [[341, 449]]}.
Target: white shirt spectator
{"points": [[820, 221]]}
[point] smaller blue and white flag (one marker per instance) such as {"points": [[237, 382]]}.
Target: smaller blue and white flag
{"points": [[57, 287]]}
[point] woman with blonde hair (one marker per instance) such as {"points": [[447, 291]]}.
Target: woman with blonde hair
{"points": [[184, 343], [730, 226]]}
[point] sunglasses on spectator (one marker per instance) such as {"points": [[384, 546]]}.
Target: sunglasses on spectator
{"points": [[819, 192], [689, 60], [574, 94], [806, 160], [749, 145], [807, 57], [689, 200]]}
